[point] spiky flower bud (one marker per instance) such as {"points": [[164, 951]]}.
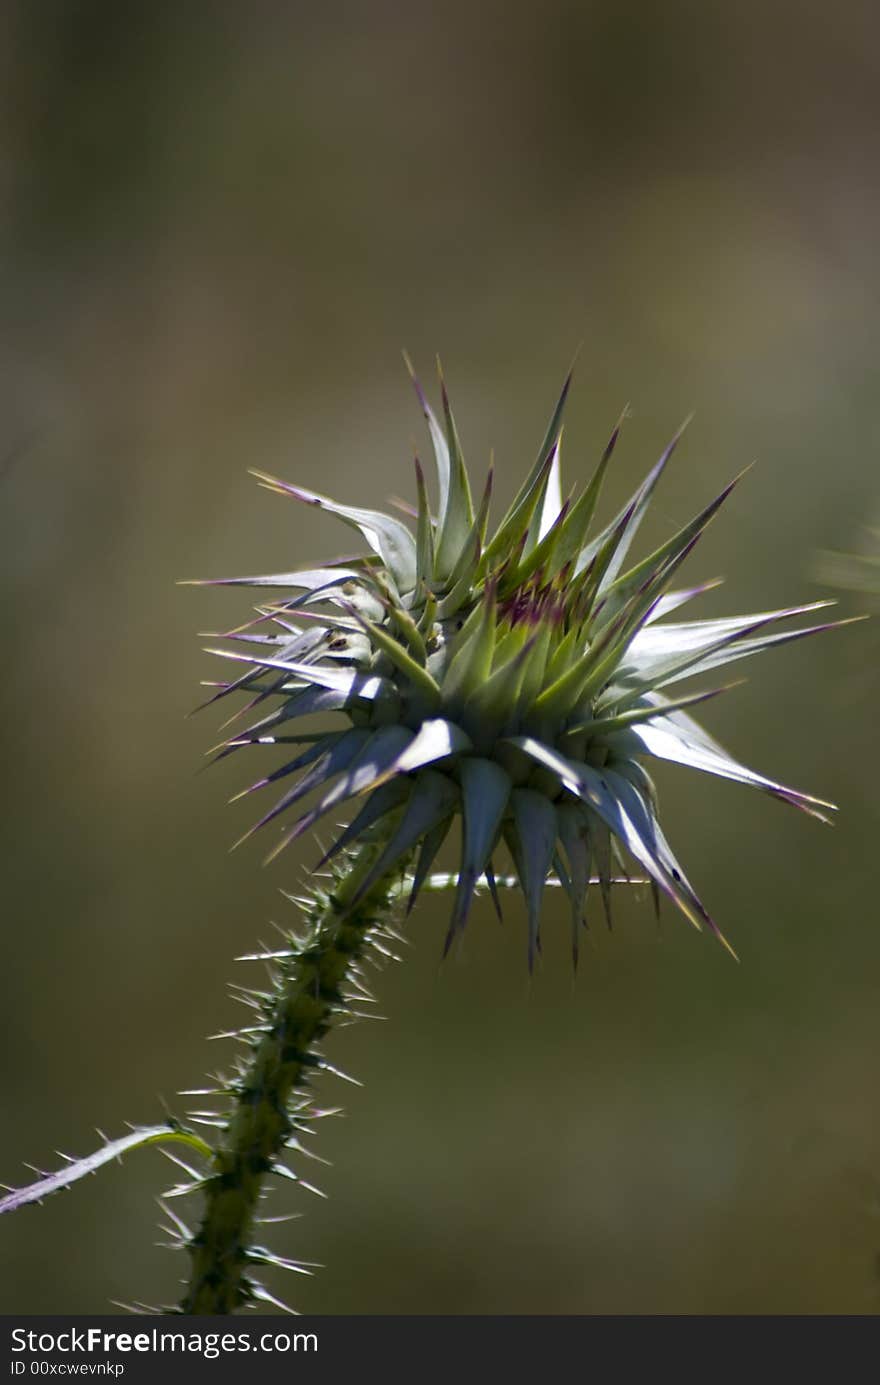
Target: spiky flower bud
{"points": [[513, 683]]}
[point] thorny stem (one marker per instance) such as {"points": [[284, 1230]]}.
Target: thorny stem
{"points": [[309, 994]]}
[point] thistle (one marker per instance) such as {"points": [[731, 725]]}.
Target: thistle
{"points": [[513, 682], [504, 686]]}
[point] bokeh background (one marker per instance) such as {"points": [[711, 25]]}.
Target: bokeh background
{"points": [[220, 224]]}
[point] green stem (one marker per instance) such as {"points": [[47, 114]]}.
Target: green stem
{"points": [[309, 994]]}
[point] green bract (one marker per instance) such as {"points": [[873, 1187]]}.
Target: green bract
{"points": [[511, 681]]}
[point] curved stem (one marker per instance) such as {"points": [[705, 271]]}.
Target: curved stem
{"points": [[309, 993]]}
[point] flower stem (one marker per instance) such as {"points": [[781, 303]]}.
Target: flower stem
{"points": [[310, 992]]}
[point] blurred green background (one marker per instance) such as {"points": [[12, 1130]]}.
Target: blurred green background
{"points": [[220, 224]]}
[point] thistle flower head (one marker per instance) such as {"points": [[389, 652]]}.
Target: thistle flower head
{"points": [[512, 681]]}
